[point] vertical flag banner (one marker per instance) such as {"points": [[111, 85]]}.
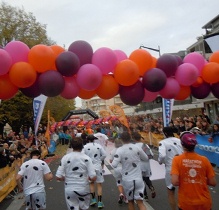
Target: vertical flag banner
{"points": [[212, 41], [167, 111], [38, 106]]}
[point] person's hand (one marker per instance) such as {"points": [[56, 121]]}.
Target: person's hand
{"points": [[210, 139]]}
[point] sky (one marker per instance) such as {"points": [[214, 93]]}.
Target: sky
{"points": [[172, 25]]}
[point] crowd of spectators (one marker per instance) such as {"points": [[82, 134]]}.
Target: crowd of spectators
{"points": [[18, 146]]}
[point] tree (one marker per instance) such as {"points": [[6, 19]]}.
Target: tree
{"points": [[16, 24]]}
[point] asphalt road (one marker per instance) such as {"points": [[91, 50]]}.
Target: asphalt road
{"points": [[55, 194]]}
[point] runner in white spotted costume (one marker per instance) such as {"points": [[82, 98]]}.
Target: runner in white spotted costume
{"points": [[76, 169], [130, 156], [168, 149], [33, 172]]}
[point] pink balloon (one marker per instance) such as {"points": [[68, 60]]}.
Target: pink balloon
{"points": [[186, 74], [196, 59], [18, 51], [71, 89], [89, 77], [171, 89], [5, 62], [120, 55], [105, 59], [149, 96]]}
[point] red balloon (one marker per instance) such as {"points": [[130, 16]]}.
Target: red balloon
{"points": [[7, 88], [22, 74], [184, 93], [108, 87]]}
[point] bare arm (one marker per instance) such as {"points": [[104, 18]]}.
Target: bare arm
{"points": [[175, 179], [48, 176]]}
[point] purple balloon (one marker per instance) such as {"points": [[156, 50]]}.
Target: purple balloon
{"points": [[168, 63], [132, 95], [179, 60], [51, 83], [154, 80], [32, 91], [202, 91], [215, 89], [83, 50], [67, 63]]}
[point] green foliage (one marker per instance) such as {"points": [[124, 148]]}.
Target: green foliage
{"points": [[16, 24]]}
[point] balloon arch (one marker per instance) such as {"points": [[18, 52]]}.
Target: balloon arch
{"points": [[81, 72]]}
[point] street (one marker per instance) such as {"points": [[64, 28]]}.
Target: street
{"points": [[55, 191]]}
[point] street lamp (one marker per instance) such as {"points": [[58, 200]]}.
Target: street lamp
{"points": [[153, 49]]}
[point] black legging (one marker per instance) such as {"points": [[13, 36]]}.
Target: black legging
{"points": [[148, 183]]}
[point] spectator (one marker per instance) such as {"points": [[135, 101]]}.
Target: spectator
{"points": [[192, 173], [206, 127], [76, 169], [168, 148], [3, 159], [32, 173], [215, 132]]}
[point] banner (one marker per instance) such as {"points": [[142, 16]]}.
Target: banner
{"points": [[207, 149], [167, 110], [7, 180], [38, 106]]}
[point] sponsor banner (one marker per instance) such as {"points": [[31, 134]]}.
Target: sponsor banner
{"points": [[38, 106], [7, 180], [207, 149], [167, 111]]}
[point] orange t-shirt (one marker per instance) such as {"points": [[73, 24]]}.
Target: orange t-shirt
{"points": [[193, 171]]}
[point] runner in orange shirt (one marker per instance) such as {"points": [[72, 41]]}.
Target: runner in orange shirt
{"points": [[192, 173]]}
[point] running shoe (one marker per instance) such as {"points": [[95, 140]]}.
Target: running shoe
{"points": [[93, 202], [100, 205], [146, 198], [121, 198], [153, 193]]}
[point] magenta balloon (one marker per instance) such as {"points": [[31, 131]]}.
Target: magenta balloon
{"points": [[215, 89], [186, 74], [202, 91], [5, 62], [105, 59], [18, 51], [51, 83], [120, 55], [171, 89], [149, 96], [67, 63], [71, 89], [32, 91], [196, 59], [83, 50], [154, 80], [132, 95], [89, 77], [168, 63]]}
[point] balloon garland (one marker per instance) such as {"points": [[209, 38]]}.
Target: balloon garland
{"points": [[81, 72]]}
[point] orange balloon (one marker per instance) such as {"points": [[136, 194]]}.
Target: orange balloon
{"points": [[210, 72], [198, 82], [85, 94], [214, 57], [57, 50], [184, 93], [41, 57], [126, 72], [22, 74], [108, 87], [7, 88], [143, 59]]}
